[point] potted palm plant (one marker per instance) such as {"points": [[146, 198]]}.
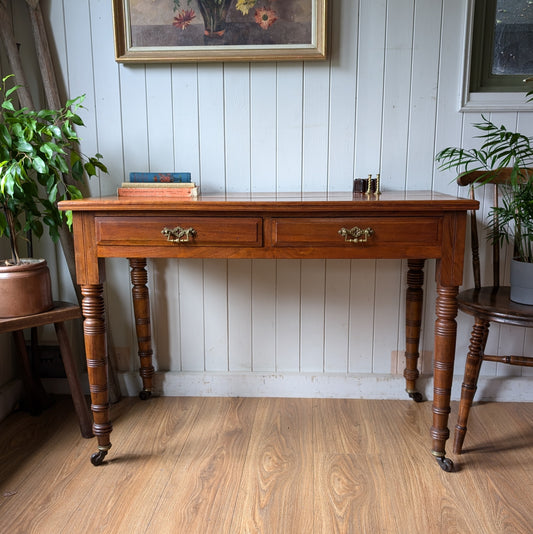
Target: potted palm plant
{"points": [[37, 150], [512, 220]]}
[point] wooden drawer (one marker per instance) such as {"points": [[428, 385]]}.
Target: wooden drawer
{"points": [[328, 232], [207, 231]]}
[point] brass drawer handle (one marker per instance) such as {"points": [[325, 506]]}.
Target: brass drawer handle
{"points": [[356, 234], [179, 234]]}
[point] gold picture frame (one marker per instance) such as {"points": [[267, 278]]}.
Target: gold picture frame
{"points": [[173, 31]]}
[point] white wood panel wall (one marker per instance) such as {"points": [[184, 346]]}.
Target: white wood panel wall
{"points": [[385, 101]]}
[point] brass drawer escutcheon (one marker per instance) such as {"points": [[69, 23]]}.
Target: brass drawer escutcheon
{"points": [[179, 234], [356, 234]]}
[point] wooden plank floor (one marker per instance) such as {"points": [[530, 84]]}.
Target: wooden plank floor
{"points": [[279, 466]]}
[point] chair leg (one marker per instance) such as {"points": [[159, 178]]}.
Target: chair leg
{"points": [[478, 340], [80, 404]]}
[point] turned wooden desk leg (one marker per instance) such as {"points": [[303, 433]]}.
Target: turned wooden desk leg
{"points": [[141, 309], [445, 337], [413, 321], [96, 352]]}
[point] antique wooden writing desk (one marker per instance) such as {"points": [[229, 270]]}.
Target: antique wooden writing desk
{"points": [[411, 225]]}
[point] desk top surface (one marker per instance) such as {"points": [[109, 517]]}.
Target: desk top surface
{"points": [[344, 201]]}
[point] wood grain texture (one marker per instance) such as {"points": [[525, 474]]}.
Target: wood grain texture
{"points": [[347, 499], [234, 466], [151, 456], [277, 482], [201, 492]]}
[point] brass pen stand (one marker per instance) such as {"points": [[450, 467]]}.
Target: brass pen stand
{"points": [[367, 186]]}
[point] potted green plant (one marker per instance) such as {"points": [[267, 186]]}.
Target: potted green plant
{"points": [[512, 220], [37, 150]]}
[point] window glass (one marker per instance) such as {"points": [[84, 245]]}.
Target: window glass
{"points": [[513, 38], [502, 45]]}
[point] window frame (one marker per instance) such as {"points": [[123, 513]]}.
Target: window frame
{"points": [[493, 100]]}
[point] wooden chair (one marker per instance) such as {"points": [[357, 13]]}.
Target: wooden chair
{"points": [[61, 312], [487, 304]]}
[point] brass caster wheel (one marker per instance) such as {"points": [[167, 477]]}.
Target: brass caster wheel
{"points": [[445, 464], [145, 394], [416, 396], [98, 457]]}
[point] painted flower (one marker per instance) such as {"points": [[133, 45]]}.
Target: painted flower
{"points": [[265, 17], [184, 18], [245, 5]]}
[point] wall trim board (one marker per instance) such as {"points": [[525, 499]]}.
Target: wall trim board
{"points": [[353, 386], [368, 386]]}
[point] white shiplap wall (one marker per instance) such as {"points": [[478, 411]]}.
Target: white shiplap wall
{"points": [[385, 100]]}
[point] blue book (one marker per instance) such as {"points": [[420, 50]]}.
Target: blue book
{"points": [[160, 177]]}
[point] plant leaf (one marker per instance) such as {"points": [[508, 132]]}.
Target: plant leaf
{"points": [[39, 165], [23, 146]]}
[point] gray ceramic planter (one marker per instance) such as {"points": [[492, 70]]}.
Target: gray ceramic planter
{"points": [[522, 282]]}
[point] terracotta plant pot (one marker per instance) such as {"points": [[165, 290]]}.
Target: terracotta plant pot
{"points": [[25, 289], [522, 282]]}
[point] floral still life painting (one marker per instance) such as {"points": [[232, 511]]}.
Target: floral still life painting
{"points": [[226, 30]]}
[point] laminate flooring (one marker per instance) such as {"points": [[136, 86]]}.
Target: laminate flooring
{"points": [[266, 465]]}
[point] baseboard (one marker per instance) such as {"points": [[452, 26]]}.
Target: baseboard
{"points": [[10, 395], [176, 384]]}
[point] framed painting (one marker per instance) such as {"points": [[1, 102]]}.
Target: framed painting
{"points": [[219, 30]]}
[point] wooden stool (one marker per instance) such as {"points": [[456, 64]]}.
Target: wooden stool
{"points": [[61, 312]]}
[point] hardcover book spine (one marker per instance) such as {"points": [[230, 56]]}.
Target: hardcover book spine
{"points": [[160, 177], [159, 185], [146, 192]]}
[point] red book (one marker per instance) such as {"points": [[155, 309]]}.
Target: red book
{"points": [[159, 192]]}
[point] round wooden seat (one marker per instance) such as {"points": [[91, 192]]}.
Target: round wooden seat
{"points": [[493, 304]]}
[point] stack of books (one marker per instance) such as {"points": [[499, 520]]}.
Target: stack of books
{"points": [[151, 184]]}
